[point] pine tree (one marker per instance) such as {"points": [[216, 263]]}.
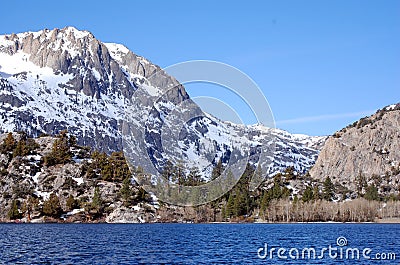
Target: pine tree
{"points": [[229, 211], [107, 171], [295, 199], [72, 141], [290, 173], [194, 177], [71, 203], [120, 169], [265, 200], [316, 193], [308, 194], [228, 181], [168, 171], [361, 183], [60, 152], [19, 149], [216, 189], [371, 193], [8, 144], [29, 205], [257, 177], [96, 168], [25, 147], [329, 189], [52, 206], [217, 170], [126, 191], [13, 213], [241, 204], [179, 176], [142, 195], [223, 213], [97, 202]]}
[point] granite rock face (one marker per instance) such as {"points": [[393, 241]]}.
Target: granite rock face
{"points": [[369, 148]]}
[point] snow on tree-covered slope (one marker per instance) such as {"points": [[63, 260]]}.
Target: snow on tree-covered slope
{"points": [[67, 79]]}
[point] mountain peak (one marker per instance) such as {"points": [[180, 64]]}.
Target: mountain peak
{"points": [[69, 32], [45, 34], [59, 79], [74, 30]]}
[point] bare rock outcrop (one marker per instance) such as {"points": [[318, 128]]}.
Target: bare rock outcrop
{"points": [[368, 149]]}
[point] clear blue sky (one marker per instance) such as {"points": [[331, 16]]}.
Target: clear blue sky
{"points": [[321, 64]]}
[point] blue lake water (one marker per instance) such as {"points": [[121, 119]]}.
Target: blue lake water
{"points": [[199, 243]]}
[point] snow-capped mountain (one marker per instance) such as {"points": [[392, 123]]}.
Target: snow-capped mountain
{"points": [[67, 79]]}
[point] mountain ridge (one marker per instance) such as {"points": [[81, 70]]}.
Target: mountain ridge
{"points": [[59, 79]]}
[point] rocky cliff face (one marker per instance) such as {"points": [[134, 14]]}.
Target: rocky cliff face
{"points": [[367, 150], [97, 68], [59, 79], [67, 79]]}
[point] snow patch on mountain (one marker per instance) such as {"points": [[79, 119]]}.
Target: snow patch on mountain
{"points": [[117, 51], [88, 93]]}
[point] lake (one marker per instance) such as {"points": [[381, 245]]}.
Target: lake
{"points": [[199, 243]]}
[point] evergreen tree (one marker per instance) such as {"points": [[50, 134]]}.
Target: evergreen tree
{"points": [[229, 211], [25, 147], [95, 169], [97, 202], [8, 144], [295, 199], [19, 149], [361, 183], [194, 177], [30, 204], [120, 169], [258, 176], [126, 191], [308, 194], [14, 213], [316, 193], [71, 140], [52, 206], [60, 152], [223, 213], [265, 200], [112, 168], [329, 189], [194, 197], [216, 189], [217, 170], [179, 176], [239, 202], [168, 171], [371, 193], [71, 203], [290, 173], [276, 191], [228, 181], [142, 195]]}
